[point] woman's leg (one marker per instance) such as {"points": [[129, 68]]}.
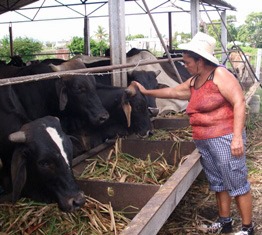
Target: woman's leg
{"points": [[223, 203], [244, 204]]}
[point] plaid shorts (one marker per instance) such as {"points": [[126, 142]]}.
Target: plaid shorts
{"points": [[224, 172]]}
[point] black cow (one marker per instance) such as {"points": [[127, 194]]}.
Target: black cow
{"points": [[67, 97], [146, 78], [73, 96], [149, 81], [16, 60], [128, 112], [40, 165]]}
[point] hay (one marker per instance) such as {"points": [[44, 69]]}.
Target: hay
{"points": [[27, 217]]}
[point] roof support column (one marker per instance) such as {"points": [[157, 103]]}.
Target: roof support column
{"points": [[11, 40], [117, 40], [170, 33], [195, 13], [224, 35], [86, 36]]}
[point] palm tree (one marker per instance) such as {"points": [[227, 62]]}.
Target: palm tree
{"points": [[102, 37]]}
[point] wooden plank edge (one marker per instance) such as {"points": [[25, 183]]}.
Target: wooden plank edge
{"points": [[251, 92], [154, 214]]}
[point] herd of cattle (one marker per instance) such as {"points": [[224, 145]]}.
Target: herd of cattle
{"points": [[46, 123]]}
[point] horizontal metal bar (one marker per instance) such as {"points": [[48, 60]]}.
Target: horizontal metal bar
{"points": [[46, 76]]}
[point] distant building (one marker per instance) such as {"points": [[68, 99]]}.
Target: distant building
{"points": [[151, 44]]}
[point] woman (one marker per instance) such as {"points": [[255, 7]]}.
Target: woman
{"points": [[217, 115]]}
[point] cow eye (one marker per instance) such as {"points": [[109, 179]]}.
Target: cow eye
{"points": [[79, 89], [44, 164]]}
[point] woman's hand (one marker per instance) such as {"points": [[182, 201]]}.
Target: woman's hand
{"points": [[139, 86], [237, 146]]}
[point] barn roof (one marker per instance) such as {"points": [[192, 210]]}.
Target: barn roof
{"points": [[11, 5], [14, 5]]}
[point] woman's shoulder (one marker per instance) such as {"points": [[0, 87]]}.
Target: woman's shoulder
{"points": [[223, 76], [221, 70]]}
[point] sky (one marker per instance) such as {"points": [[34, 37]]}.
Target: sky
{"points": [[66, 29]]}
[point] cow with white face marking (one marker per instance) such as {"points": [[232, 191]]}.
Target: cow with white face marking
{"points": [[41, 167]]}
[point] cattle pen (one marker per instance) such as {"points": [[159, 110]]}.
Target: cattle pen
{"points": [[152, 204]]}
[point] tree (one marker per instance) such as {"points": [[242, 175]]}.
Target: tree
{"points": [[102, 38], [214, 29], [25, 47], [251, 31], [76, 46], [130, 37]]}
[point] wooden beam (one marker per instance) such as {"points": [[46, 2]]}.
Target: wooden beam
{"points": [[155, 213], [251, 92]]}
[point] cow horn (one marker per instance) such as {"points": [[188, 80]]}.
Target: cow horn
{"points": [[55, 68], [127, 110], [17, 137]]}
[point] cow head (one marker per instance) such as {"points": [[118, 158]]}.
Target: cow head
{"points": [[41, 165], [149, 81], [135, 107], [78, 95]]}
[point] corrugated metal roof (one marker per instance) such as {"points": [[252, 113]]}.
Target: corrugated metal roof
{"points": [[219, 3], [11, 5]]}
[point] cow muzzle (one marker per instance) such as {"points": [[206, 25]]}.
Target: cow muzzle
{"points": [[148, 134], [73, 203], [153, 112]]}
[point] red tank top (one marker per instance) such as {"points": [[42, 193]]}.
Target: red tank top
{"points": [[210, 114]]}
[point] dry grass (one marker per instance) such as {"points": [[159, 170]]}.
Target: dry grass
{"points": [[28, 217]]}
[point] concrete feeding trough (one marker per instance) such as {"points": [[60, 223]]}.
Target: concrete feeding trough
{"points": [[149, 206]]}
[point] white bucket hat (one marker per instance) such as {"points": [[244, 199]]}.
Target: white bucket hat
{"points": [[203, 45]]}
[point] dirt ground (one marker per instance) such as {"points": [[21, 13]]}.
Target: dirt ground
{"points": [[198, 206]]}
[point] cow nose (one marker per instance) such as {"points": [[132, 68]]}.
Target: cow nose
{"points": [[148, 133], [78, 201], [153, 111], [103, 118]]}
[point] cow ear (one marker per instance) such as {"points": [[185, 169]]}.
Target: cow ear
{"points": [[54, 67], [131, 89], [127, 110], [61, 93], [18, 173]]}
